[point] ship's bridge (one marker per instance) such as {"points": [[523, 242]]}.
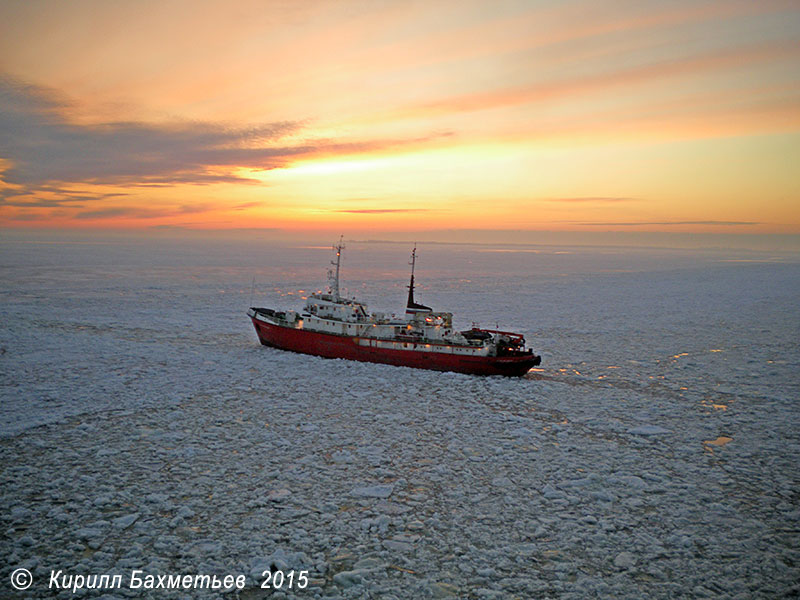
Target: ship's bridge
{"points": [[432, 319], [327, 306]]}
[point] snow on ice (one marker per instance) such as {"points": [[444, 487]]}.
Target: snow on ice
{"points": [[143, 427]]}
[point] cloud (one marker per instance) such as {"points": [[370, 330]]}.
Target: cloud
{"points": [[593, 200], [56, 198], [26, 217], [600, 82], [120, 211], [246, 205], [41, 147], [377, 211], [635, 223], [133, 212]]}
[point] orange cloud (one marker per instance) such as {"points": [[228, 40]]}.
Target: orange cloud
{"points": [[379, 211], [603, 82], [592, 200]]}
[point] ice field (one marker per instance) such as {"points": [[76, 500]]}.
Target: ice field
{"points": [[654, 454]]}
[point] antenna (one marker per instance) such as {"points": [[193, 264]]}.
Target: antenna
{"points": [[333, 276]]}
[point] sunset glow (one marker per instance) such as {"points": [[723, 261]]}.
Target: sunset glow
{"points": [[401, 116]]}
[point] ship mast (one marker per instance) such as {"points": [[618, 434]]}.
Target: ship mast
{"points": [[412, 307], [411, 285], [333, 276]]}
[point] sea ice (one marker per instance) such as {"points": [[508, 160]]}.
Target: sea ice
{"points": [[145, 428], [648, 430]]}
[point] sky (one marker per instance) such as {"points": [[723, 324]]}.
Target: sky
{"points": [[368, 117]]}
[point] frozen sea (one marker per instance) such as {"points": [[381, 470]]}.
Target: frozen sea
{"points": [[654, 454]]}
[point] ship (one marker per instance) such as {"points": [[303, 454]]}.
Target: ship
{"points": [[333, 326]]}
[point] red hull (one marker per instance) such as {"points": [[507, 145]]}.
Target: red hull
{"points": [[338, 346]]}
